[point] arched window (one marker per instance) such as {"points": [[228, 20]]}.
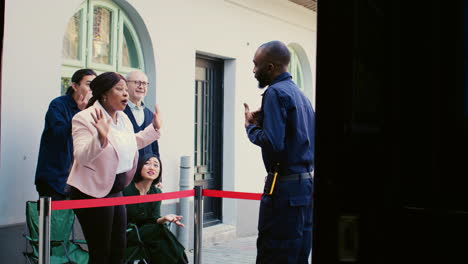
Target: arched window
{"points": [[295, 69], [301, 71], [101, 37]]}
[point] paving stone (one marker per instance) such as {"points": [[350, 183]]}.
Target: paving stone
{"points": [[238, 251]]}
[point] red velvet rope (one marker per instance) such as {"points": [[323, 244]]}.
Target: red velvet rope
{"points": [[228, 194], [101, 202]]}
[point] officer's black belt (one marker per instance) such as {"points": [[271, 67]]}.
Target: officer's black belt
{"points": [[296, 177]]}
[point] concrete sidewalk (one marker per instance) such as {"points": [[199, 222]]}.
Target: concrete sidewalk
{"points": [[238, 251]]}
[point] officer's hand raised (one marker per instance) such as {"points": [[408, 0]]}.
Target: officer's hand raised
{"points": [[248, 115]]}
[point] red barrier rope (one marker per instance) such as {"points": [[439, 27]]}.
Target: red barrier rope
{"points": [[101, 202], [228, 194]]}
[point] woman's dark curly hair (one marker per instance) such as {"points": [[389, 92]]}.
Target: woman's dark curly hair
{"points": [[102, 84], [141, 162]]}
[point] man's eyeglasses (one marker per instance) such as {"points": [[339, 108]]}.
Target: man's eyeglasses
{"points": [[138, 83]]}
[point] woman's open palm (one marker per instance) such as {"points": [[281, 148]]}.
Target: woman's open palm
{"points": [[174, 219], [157, 118], [101, 124]]}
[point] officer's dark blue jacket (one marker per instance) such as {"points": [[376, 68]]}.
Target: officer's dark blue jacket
{"points": [[56, 148], [287, 135]]}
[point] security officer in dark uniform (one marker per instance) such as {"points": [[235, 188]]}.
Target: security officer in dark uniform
{"points": [[284, 129]]}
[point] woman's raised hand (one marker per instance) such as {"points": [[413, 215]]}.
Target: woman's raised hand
{"points": [[174, 219], [101, 124], [82, 102], [157, 118]]}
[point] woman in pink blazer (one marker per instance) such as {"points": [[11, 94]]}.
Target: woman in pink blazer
{"points": [[105, 158]]}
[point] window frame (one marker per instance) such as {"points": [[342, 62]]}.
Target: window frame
{"points": [[122, 22], [113, 40], [82, 40], [119, 19], [295, 65]]}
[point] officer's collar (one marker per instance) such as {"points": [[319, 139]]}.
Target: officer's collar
{"points": [[279, 78]]}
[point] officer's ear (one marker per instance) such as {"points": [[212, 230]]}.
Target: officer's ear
{"points": [[271, 67]]}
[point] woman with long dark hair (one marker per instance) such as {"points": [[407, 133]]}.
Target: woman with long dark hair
{"points": [[105, 160], [159, 241]]}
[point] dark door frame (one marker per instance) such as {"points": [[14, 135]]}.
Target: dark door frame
{"points": [[208, 139]]}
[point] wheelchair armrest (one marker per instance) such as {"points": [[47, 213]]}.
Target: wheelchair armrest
{"points": [[134, 228]]}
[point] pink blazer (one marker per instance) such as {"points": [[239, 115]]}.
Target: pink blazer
{"points": [[94, 167]]}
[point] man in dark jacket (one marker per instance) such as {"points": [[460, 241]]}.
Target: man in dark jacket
{"points": [[139, 114], [56, 149], [284, 129]]}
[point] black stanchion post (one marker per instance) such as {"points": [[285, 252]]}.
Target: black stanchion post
{"points": [[44, 230], [198, 224]]}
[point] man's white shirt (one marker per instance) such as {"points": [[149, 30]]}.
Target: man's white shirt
{"points": [[138, 112]]}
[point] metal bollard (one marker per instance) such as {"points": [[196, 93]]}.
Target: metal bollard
{"points": [[185, 183], [44, 230], [198, 224]]}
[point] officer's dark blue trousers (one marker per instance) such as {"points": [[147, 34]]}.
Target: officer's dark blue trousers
{"points": [[285, 224]]}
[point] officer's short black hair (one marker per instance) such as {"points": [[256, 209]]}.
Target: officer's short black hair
{"points": [[276, 52]]}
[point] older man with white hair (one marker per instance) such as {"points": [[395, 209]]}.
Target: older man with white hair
{"points": [[139, 114]]}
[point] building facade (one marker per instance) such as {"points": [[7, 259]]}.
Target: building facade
{"points": [[198, 57]]}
